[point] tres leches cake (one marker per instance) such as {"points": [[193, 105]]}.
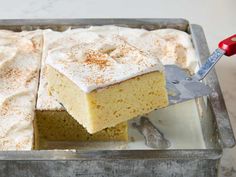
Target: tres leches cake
{"points": [[20, 55], [103, 80], [53, 122], [123, 49]]}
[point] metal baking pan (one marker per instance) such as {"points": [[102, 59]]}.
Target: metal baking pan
{"points": [[215, 124]]}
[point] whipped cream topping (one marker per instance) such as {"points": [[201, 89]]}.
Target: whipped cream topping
{"points": [[94, 60], [170, 46], [20, 55], [177, 48]]}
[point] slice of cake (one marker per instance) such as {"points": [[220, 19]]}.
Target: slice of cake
{"points": [[102, 80], [19, 72], [52, 121]]}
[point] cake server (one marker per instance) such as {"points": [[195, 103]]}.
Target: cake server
{"points": [[182, 87]]}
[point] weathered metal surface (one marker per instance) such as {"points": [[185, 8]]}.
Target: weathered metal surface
{"points": [[63, 24], [216, 98], [45, 155], [109, 168]]}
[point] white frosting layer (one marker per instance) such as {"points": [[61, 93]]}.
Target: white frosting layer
{"points": [[177, 48], [19, 68], [170, 46], [94, 60]]}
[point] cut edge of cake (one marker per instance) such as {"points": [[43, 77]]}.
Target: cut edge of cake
{"points": [[94, 110]]}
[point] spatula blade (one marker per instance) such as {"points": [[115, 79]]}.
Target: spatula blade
{"points": [[180, 88]]}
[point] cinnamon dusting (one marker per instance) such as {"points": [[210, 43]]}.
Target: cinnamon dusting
{"points": [[98, 80], [11, 73], [4, 109], [97, 58], [180, 52], [170, 38], [32, 76]]}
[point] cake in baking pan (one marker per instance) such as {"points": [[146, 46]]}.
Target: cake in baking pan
{"points": [[91, 81], [102, 80], [59, 126], [20, 55]]}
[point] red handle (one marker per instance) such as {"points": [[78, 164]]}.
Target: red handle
{"points": [[229, 45]]}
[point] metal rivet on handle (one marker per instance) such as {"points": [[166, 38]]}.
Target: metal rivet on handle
{"points": [[233, 39]]}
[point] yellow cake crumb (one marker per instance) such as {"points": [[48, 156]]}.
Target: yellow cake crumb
{"points": [[112, 105]]}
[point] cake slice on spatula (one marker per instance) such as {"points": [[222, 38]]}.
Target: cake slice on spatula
{"points": [[102, 80], [52, 121]]}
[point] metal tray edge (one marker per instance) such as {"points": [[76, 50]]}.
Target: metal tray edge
{"points": [[224, 127], [21, 24], [71, 155]]}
